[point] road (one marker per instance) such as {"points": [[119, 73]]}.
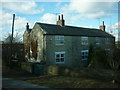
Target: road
{"points": [[12, 83]]}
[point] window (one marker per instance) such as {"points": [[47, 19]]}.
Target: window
{"points": [[107, 49], [59, 40], [106, 40], [84, 40], [59, 57], [97, 40], [84, 54]]}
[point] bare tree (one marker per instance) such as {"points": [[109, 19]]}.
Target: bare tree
{"points": [[17, 38], [115, 61]]}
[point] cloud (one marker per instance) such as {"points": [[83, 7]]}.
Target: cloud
{"points": [[58, 4], [7, 21], [1, 29], [48, 18], [8, 0], [114, 30], [62, 0], [23, 7], [115, 26], [20, 23], [5, 18], [6, 24], [79, 10]]}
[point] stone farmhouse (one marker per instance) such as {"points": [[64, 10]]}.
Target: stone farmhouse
{"points": [[63, 45]]}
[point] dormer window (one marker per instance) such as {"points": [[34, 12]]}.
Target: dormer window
{"points": [[59, 40]]}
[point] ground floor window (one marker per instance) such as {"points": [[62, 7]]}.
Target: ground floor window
{"points": [[59, 57], [84, 54]]}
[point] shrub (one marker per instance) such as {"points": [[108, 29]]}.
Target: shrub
{"points": [[97, 57], [115, 61]]}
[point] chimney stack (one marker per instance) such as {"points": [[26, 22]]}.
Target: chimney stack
{"points": [[27, 27], [61, 21], [102, 27]]}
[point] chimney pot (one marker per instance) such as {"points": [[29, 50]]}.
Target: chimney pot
{"points": [[62, 16], [59, 17], [103, 23]]}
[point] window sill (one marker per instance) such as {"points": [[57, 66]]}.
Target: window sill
{"points": [[59, 62], [84, 59], [59, 44]]}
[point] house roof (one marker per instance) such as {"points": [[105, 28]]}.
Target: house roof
{"points": [[29, 30], [52, 29]]}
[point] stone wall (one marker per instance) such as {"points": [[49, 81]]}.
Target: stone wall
{"points": [[72, 48]]}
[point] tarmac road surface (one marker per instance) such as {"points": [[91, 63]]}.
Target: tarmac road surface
{"points": [[12, 83]]}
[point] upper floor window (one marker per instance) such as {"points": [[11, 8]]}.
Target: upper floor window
{"points": [[97, 40], [59, 40], [84, 54], [106, 40], [59, 57], [84, 40]]}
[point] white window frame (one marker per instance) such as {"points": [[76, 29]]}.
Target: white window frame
{"points": [[84, 40], [108, 49], [97, 40], [60, 57], [86, 52], [59, 39]]}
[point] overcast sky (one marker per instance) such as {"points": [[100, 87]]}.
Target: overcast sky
{"points": [[81, 14]]}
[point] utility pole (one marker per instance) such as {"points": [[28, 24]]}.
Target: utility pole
{"points": [[12, 28], [11, 40]]}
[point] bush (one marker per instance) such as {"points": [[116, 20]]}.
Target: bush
{"points": [[115, 61], [97, 58]]}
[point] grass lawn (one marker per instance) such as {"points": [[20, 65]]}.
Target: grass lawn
{"points": [[86, 78]]}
